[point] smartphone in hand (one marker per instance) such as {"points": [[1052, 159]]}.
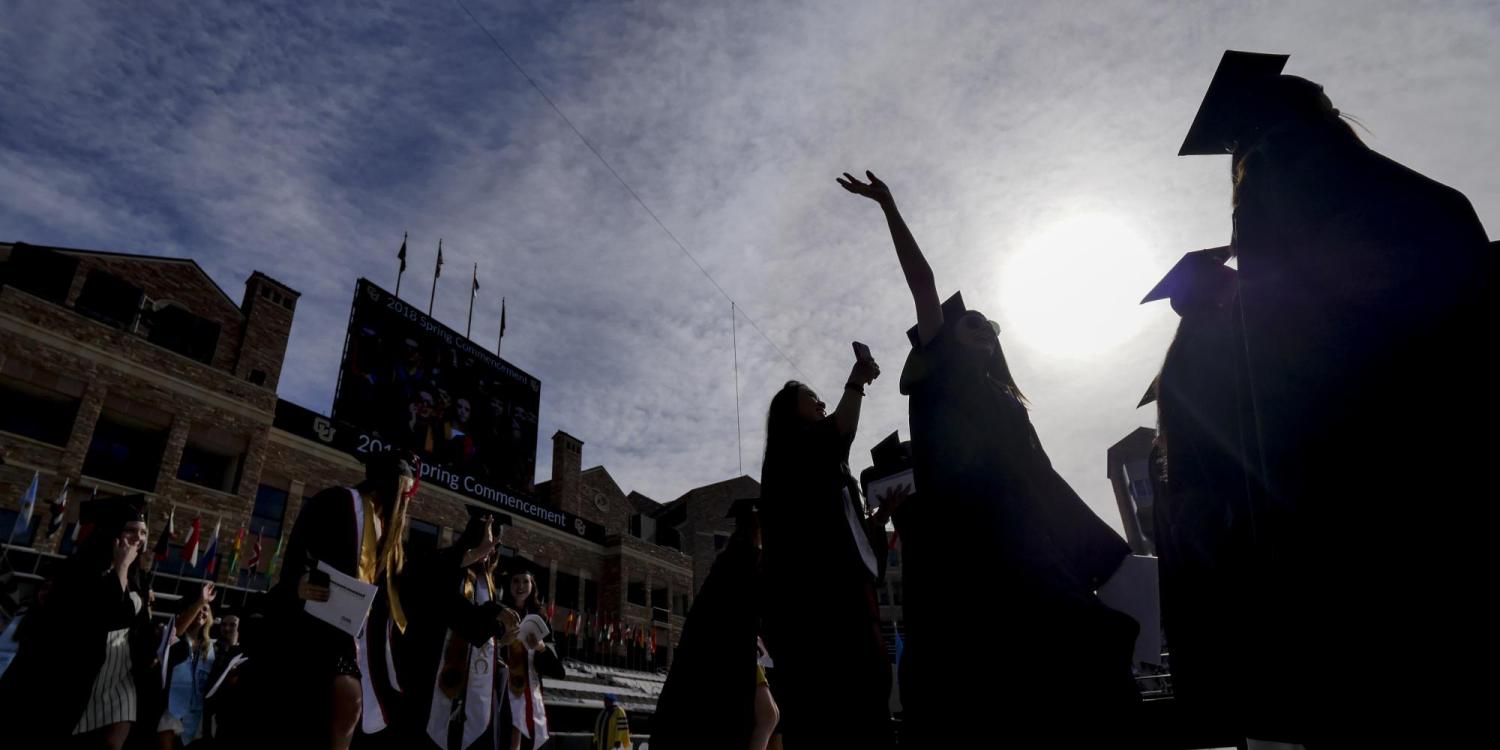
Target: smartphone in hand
{"points": [[862, 352]]}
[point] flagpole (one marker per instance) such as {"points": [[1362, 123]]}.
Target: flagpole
{"points": [[437, 272], [402, 271], [502, 327], [473, 288]]}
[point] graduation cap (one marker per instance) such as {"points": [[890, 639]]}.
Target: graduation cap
{"points": [[891, 451], [390, 465], [1189, 276], [1233, 104], [474, 530], [953, 310], [1150, 394], [113, 513]]}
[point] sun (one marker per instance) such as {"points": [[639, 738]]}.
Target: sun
{"points": [[1071, 290]]}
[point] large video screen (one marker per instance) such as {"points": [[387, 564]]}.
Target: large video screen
{"points": [[418, 384]]}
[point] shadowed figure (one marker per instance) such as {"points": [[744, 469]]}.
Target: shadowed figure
{"points": [[1356, 412], [991, 523]]}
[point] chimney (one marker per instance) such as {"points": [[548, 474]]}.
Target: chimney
{"points": [[268, 306], [567, 465]]}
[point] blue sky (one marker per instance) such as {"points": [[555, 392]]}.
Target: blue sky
{"points": [[1032, 147]]}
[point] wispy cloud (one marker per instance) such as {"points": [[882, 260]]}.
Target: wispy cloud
{"points": [[302, 140]]}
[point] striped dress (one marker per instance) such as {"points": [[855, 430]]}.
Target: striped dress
{"points": [[112, 699]]}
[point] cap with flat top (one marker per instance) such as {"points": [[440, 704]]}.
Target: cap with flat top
{"points": [[1233, 106]]}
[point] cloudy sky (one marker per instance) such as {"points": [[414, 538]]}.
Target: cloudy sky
{"points": [[1031, 145]]}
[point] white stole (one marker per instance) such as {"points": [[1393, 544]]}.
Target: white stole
{"points": [[479, 691]]}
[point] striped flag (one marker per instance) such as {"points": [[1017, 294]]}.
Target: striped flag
{"points": [[275, 558], [59, 508], [164, 543], [28, 504], [255, 553], [210, 562], [190, 547], [234, 557], [78, 527]]}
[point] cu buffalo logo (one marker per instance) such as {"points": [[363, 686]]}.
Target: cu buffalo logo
{"points": [[579, 526], [324, 429]]}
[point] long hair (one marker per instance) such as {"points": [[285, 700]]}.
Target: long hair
{"points": [[533, 604], [1293, 105], [392, 555], [201, 640], [999, 369], [782, 421]]}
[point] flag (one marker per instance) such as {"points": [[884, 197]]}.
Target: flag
{"points": [[78, 527], [164, 543], [234, 557], [401, 254], [502, 317], [551, 610], [255, 554], [190, 547], [900, 647], [438, 270], [653, 643], [28, 504], [275, 558], [59, 508], [475, 290], [210, 562]]}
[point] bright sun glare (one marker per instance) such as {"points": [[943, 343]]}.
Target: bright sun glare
{"points": [[1071, 290]]}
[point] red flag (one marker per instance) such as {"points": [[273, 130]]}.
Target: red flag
{"points": [[551, 610], [653, 643], [255, 553], [165, 542], [190, 547]]}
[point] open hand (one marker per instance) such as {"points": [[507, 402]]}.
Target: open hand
{"points": [[875, 190]]}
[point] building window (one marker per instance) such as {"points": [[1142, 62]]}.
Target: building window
{"points": [[680, 604], [127, 447], [176, 329], [110, 299], [421, 537], [896, 593], [883, 596], [44, 273], [659, 597], [635, 593], [267, 517], [590, 596], [38, 405], [893, 558], [213, 459], [567, 591], [720, 540]]}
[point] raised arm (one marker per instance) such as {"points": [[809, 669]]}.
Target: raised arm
{"points": [[919, 276]]}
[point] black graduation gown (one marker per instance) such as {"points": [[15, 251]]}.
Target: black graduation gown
{"points": [[62, 648], [292, 667], [432, 595], [1001, 562], [822, 625], [1367, 323], [709, 696], [1202, 521]]}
